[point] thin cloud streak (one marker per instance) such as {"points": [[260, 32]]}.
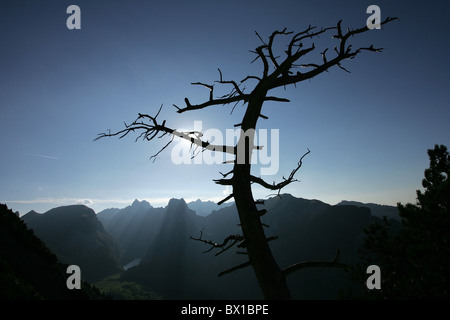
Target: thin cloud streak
{"points": [[42, 156], [69, 200]]}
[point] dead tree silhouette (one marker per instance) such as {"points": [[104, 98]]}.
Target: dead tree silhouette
{"points": [[277, 72]]}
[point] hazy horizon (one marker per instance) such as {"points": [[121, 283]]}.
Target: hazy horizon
{"points": [[100, 205]]}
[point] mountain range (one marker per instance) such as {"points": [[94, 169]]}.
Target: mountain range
{"points": [[153, 247]]}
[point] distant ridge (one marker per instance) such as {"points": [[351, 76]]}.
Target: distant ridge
{"points": [[204, 208], [377, 210]]}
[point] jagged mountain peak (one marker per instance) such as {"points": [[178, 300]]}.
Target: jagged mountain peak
{"points": [[142, 204], [199, 201], [175, 201], [30, 215], [205, 207]]}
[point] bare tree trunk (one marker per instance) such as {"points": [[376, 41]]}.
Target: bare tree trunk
{"points": [[270, 277]]}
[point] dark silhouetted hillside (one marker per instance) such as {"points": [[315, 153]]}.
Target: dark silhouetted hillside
{"points": [[77, 237], [28, 269]]}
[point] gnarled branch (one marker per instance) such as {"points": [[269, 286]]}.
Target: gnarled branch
{"points": [[282, 73], [225, 199], [240, 266], [236, 95], [315, 264], [224, 182], [282, 184], [150, 128], [234, 239]]}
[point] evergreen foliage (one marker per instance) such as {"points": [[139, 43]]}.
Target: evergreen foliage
{"points": [[415, 261]]}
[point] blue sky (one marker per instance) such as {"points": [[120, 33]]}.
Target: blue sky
{"points": [[368, 130]]}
